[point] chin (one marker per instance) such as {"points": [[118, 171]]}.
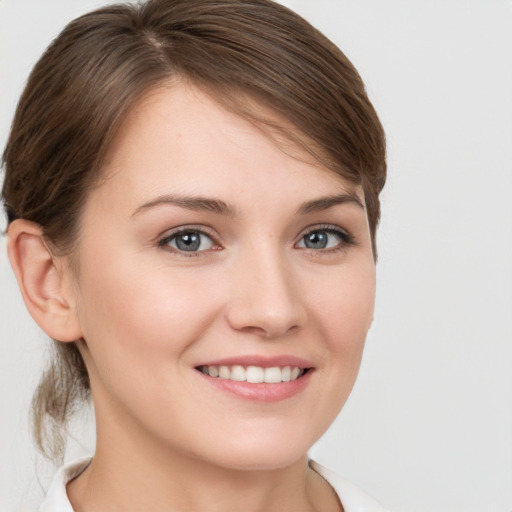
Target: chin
{"points": [[261, 461], [263, 453]]}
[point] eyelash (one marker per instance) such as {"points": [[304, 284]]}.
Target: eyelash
{"points": [[167, 239], [345, 240]]}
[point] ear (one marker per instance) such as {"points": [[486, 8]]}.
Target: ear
{"points": [[45, 281]]}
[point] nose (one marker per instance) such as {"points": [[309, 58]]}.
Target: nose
{"points": [[265, 299]]}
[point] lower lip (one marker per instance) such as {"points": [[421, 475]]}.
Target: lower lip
{"points": [[262, 392]]}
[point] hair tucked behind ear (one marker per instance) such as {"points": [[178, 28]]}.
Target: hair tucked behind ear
{"points": [[102, 63]]}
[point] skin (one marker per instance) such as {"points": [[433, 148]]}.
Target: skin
{"points": [[149, 314]]}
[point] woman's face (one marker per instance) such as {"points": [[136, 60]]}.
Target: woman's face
{"points": [[210, 249]]}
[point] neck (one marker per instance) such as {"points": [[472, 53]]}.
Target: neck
{"points": [[133, 471], [182, 484]]}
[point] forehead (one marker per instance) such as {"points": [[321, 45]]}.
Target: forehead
{"points": [[179, 137]]}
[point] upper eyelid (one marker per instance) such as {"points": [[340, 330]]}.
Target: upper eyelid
{"points": [[205, 230], [323, 227]]}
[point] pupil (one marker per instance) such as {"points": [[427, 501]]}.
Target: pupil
{"points": [[188, 241], [316, 240]]}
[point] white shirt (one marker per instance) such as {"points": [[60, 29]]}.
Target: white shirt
{"points": [[351, 497]]}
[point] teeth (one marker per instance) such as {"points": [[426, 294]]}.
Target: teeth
{"points": [[238, 373], [254, 374], [273, 375], [224, 372]]}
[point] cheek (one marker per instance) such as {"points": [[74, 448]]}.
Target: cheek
{"points": [[134, 313], [138, 326], [346, 309], [344, 314], [340, 312]]}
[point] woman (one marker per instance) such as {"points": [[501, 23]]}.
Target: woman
{"points": [[192, 196]]}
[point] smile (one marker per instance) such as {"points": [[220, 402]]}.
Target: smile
{"points": [[258, 378], [254, 374]]}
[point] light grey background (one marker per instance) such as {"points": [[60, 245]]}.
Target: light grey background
{"points": [[429, 425]]}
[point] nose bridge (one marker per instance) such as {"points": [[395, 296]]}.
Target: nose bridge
{"points": [[265, 300]]}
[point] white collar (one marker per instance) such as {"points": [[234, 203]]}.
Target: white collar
{"points": [[351, 496], [57, 499]]}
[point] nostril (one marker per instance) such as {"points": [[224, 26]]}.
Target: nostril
{"points": [[270, 331]]}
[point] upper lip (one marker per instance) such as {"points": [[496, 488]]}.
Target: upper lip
{"points": [[262, 361]]}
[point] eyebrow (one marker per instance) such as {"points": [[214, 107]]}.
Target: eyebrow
{"points": [[206, 204], [196, 203], [324, 203]]}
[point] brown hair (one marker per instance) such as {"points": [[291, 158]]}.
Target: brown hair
{"points": [[90, 77]]}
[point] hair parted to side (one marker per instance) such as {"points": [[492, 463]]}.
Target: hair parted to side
{"points": [[102, 63]]}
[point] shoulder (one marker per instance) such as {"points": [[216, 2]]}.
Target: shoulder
{"points": [[57, 499], [351, 496]]}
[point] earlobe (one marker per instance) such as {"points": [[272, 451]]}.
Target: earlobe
{"points": [[43, 281]]}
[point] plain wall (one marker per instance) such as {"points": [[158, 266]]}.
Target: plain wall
{"points": [[428, 427]]}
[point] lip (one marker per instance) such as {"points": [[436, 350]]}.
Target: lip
{"points": [[258, 360], [262, 392]]}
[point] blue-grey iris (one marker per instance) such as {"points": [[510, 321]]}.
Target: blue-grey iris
{"points": [[316, 240], [190, 241]]}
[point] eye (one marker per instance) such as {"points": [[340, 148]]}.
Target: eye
{"points": [[189, 240], [324, 238]]}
